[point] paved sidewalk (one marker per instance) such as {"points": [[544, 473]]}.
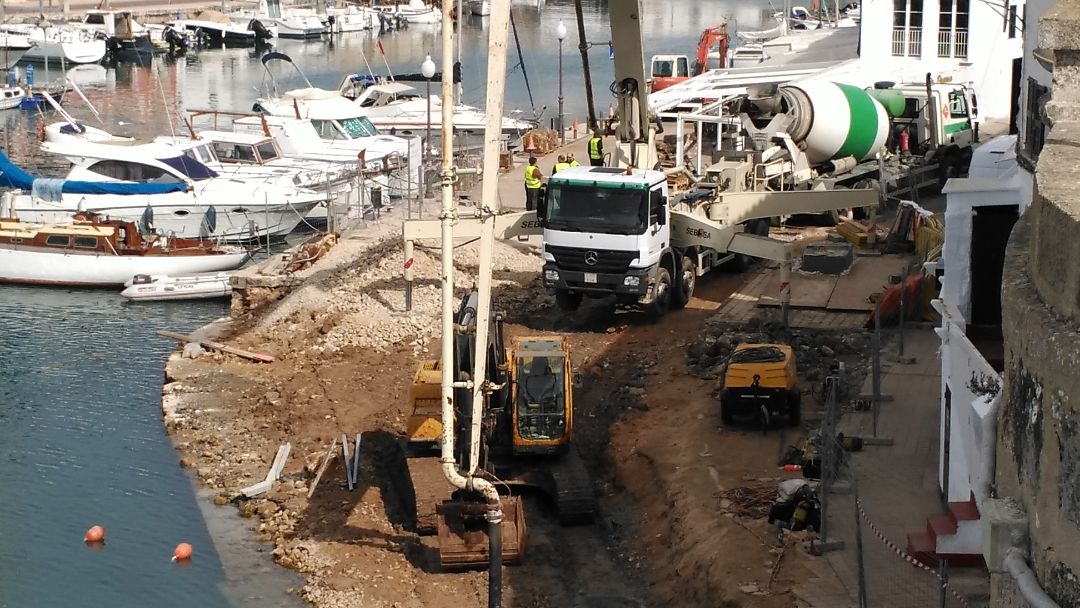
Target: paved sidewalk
{"points": [[897, 484]]}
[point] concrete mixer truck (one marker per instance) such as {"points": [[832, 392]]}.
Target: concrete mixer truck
{"points": [[808, 147]]}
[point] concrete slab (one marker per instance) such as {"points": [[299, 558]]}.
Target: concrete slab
{"points": [[867, 275]]}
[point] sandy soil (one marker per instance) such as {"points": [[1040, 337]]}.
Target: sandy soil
{"points": [[648, 426]]}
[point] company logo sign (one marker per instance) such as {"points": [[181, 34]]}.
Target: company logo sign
{"points": [[700, 233], [591, 258]]}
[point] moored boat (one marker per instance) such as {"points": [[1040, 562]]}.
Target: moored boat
{"points": [[97, 252], [160, 287]]}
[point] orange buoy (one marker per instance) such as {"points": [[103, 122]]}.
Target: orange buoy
{"points": [[95, 534], [181, 552]]}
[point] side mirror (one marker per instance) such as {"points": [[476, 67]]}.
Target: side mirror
{"points": [[541, 207], [576, 380], [661, 218]]}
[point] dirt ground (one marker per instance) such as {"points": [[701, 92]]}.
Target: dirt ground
{"points": [[647, 424]]}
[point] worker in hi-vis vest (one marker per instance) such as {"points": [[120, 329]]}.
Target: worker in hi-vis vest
{"points": [[570, 160], [560, 165], [596, 149], [532, 184]]}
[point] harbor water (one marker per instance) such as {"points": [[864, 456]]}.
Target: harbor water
{"points": [[81, 436]]}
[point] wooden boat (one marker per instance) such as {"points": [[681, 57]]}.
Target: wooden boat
{"points": [[98, 252], [157, 288]]}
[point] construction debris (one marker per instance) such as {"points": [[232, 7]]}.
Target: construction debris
{"points": [[752, 501]]}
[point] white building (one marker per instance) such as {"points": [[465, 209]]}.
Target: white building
{"points": [[980, 212], [972, 41]]}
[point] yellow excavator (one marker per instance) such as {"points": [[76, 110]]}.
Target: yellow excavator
{"points": [[526, 440]]}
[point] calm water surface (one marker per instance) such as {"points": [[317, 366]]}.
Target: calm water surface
{"points": [[81, 437]]}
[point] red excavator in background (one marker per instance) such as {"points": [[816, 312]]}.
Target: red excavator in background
{"points": [[672, 69]]}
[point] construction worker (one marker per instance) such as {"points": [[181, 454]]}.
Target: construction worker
{"points": [[532, 184], [562, 164], [596, 149], [572, 161]]}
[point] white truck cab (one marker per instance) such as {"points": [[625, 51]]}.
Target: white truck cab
{"points": [[605, 232]]}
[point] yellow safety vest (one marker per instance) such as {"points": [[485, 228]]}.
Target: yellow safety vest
{"points": [[530, 180], [594, 148], [574, 163], [561, 166]]}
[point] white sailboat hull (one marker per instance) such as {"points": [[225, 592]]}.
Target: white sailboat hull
{"points": [[33, 265]]}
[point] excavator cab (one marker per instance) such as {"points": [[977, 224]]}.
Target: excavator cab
{"points": [[541, 396]]}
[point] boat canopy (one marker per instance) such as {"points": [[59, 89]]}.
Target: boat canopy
{"points": [[11, 176]]}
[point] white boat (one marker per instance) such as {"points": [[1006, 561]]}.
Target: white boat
{"points": [[481, 8], [98, 253], [400, 107], [12, 48], [125, 38], [217, 29], [285, 23], [59, 44], [763, 35], [802, 19], [416, 11], [125, 179], [351, 18], [251, 155], [11, 97], [161, 287]]}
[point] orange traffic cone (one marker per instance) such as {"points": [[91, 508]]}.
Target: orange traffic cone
{"points": [[530, 146]]}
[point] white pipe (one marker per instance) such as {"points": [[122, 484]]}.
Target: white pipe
{"points": [[489, 205], [982, 488], [447, 218], [1026, 582]]}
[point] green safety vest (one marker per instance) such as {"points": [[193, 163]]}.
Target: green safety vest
{"points": [[594, 148], [574, 163], [530, 180], [561, 166]]}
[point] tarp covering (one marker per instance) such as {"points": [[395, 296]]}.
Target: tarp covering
{"points": [[12, 176]]}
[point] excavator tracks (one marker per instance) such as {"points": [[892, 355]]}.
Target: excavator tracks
{"points": [[573, 490]]}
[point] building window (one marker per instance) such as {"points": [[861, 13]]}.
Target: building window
{"points": [[907, 28], [1034, 119], [1012, 20], [953, 29]]}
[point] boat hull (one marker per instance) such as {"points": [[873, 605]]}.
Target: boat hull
{"points": [[164, 288], [69, 52], [38, 266]]}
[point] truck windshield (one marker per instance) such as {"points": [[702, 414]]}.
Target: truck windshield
{"points": [[588, 208]]}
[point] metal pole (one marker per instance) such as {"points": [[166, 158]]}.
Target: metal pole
{"points": [[584, 48], [943, 579], [562, 129], [900, 345], [460, 24], [427, 143], [408, 274], [859, 551], [785, 286], [876, 379], [827, 437]]}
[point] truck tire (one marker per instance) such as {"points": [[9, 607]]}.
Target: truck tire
{"points": [[948, 167], [725, 411], [568, 301], [794, 408], [663, 294], [687, 281]]}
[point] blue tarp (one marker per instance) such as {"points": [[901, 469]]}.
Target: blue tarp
{"points": [[12, 176]]}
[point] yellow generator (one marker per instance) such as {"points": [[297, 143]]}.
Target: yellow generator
{"points": [[527, 432], [761, 381]]}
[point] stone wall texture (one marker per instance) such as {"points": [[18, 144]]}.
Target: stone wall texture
{"points": [[1038, 460]]}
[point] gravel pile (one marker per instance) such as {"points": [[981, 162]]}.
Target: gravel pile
{"points": [[364, 306]]}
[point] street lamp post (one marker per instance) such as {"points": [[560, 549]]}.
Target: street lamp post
{"points": [[427, 70], [560, 33]]}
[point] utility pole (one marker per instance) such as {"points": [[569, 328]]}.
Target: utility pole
{"points": [[584, 48]]}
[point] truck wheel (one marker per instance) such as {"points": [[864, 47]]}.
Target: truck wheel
{"points": [[663, 294], [687, 282], [794, 408], [948, 167], [568, 301]]}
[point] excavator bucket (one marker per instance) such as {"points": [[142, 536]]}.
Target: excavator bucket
{"points": [[463, 533]]}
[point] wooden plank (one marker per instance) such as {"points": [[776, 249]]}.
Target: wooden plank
{"points": [[356, 460], [867, 276], [256, 489], [322, 468], [807, 291], [247, 354], [348, 461]]}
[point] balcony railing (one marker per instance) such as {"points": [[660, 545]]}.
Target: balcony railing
{"points": [[906, 42], [952, 44]]}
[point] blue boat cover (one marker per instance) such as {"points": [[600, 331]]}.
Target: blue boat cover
{"points": [[12, 176]]}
